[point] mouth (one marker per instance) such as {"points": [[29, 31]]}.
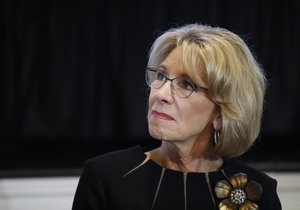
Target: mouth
{"points": [[161, 115]]}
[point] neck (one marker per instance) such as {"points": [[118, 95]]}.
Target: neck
{"points": [[184, 158]]}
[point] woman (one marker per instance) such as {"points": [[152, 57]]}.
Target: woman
{"points": [[205, 106]]}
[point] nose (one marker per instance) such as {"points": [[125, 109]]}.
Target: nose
{"points": [[165, 93]]}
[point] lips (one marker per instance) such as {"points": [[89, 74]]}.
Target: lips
{"points": [[161, 115]]}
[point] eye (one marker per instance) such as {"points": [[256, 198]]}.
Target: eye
{"points": [[185, 84], [160, 76]]}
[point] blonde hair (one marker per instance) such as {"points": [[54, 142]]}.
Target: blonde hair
{"points": [[235, 80]]}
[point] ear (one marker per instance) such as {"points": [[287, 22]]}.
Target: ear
{"points": [[217, 122]]}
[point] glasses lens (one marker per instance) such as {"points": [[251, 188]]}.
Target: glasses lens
{"points": [[155, 79], [183, 87]]}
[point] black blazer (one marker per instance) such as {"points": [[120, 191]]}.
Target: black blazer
{"points": [[126, 179]]}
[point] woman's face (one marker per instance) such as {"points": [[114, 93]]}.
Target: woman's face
{"points": [[176, 119]]}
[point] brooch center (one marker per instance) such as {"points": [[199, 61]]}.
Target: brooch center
{"points": [[238, 196]]}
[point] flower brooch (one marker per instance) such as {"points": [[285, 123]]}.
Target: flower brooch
{"points": [[238, 193]]}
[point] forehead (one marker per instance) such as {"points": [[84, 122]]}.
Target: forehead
{"points": [[173, 62], [182, 61]]}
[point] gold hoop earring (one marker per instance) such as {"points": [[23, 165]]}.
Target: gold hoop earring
{"points": [[216, 136]]}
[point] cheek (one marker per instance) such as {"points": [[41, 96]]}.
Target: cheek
{"points": [[150, 104], [153, 96], [150, 101], [200, 112]]}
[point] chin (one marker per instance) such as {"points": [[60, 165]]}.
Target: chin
{"points": [[156, 133], [160, 134]]}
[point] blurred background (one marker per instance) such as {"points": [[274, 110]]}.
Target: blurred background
{"points": [[72, 77]]}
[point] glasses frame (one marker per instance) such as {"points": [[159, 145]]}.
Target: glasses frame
{"points": [[166, 78]]}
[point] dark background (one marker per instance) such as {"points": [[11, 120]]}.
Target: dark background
{"points": [[72, 77]]}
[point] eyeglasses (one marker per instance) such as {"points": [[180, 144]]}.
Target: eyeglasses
{"points": [[183, 87]]}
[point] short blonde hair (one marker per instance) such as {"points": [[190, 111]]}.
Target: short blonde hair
{"points": [[235, 80]]}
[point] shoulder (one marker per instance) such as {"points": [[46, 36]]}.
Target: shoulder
{"points": [[132, 152], [118, 161], [235, 166]]}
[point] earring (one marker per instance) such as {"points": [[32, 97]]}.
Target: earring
{"points": [[216, 136]]}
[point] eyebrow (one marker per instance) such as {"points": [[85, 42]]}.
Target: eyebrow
{"points": [[164, 69]]}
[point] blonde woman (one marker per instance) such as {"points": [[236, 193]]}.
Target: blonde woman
{"points": [[205, 106]]}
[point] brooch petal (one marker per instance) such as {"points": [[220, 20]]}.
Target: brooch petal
{"points": [[238, 180], [253, 190], [248, 205], [223, 189], [226, 204]]}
